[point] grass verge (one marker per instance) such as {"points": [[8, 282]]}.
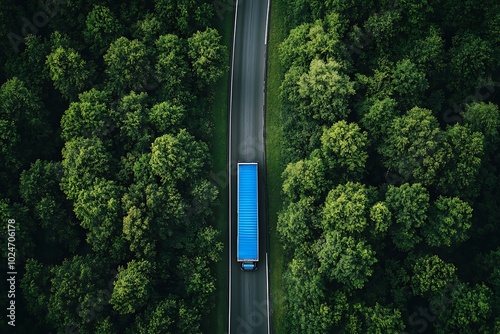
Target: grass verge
{"points": [[274, 137], [218, 150]]}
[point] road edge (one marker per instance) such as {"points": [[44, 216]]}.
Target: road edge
{"points": [[229, 165]]}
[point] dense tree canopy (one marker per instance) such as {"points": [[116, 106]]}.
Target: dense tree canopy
{"points": [[105, 121], [390, 182]]}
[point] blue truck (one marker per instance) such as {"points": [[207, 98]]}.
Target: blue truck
{"points": [[248, 216]]}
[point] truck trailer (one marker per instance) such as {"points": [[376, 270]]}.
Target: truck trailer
{"points": [[248, 216]]}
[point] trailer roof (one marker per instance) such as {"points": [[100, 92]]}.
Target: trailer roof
{"points": [[248, 212]]}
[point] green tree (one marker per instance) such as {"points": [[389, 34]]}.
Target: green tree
{"points": [[189, 319], [344, 150], [289, 89], [303, 133], [101, 28], [383, 320], [132, 287], [346, 259], [127, 65], [346, 208], [183, 16], [398, 282], [324, 37], [198, 282], [35, 287], [166, 209], [90, 117], [383, 28], [471, 60], [76, 289], [296, 223], [105, 326], [431, 275], [484, 118], [148, 29], [167, 117], [203, 197], [84, 161], [378, 117], [368, 252], [416, 14], [291, 50], [69, 72], [449, 222], [381, 217], [489, 269], [409, 84], [204, 14], [136, 230], [208, 56], [172, 68], [150, 215], [403, 81], [409, 205], [178, 158], [10, 164], [159, 318], [99, 210], [306, 301], [428, 53], [23, 129], [40, 191], [325, 91], [308, 41], [167, 12], [493, 24], [29, 65], [141, 169], [468, 311], [135, 128], [464, 153], [412, 146], [304, 178], [207, 243]]}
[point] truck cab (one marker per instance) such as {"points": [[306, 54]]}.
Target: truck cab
{"points": [[248, 266]]}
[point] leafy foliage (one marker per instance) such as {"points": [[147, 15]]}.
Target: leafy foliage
{"points": [[68, 71], [105, 119], [324, 91], [390, 185], [127, 64], [132, 287], [206, 55], [431, 275], [346, 260]]}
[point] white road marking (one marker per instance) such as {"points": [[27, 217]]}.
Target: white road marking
{"points": [[267, 295], [267, 20]]}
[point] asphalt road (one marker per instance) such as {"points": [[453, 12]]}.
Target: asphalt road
{"points": [[248, 291]]}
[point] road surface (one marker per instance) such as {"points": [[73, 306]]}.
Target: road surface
{"points": [[248, 291]]}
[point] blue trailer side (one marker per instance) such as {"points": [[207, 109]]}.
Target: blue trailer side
{"points": [[248, 216]]}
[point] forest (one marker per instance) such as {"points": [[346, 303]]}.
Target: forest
{"points": [[391, 189], [391, 214], [105, 124]]}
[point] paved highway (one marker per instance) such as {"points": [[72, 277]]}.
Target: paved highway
{"points": [[248, 291]]}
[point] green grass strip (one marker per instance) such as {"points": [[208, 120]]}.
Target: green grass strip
{"points": [[274, 138], [218, 149]]}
